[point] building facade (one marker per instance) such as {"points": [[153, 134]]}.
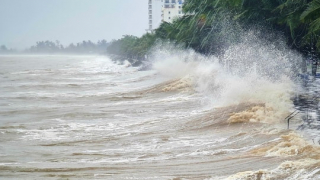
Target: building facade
{"points": [[172, 9], [154, 13], [163, 10]]}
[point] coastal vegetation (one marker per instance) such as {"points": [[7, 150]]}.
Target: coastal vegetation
{"points": [[84, 47], [5, 50], [210, 26], [55, 47]]}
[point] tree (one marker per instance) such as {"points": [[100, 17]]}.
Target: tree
{"points": [[208, 26], [311, 17], [3, 48]]}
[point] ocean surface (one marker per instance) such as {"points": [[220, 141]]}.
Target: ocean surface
{"points": [[188, 117]]}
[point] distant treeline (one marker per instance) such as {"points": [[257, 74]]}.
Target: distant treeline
{"points": [[5, 50], [212, 25], [50, 47], [84, 47]]}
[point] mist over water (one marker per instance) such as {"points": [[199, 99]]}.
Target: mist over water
{"points": [[190, 117]]}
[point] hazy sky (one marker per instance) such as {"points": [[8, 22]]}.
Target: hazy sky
{"points": [[23, 22]]}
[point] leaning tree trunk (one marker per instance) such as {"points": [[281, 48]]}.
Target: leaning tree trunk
{"points": [[314, 63], [314, 66], [304, 66]]}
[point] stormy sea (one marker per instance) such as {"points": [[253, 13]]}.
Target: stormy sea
{"points": [[187, 116]]}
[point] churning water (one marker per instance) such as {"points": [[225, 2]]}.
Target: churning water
{"points": [[190, 117]]}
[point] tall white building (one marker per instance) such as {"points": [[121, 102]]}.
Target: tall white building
{"points": [[154, 13], [163, 10], [172, 9]]}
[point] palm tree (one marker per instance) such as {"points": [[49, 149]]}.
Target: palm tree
{"points": [[311, 17]]}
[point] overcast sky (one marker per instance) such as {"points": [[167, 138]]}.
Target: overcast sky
{"points": [[23, 22]]}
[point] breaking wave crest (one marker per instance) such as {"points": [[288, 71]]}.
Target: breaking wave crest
{"points": [[251, 71], [252, 82]]}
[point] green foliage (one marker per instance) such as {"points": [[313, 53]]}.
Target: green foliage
{"points": [[311, 17], [299, 20], [208, 26], [132, 47]]}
